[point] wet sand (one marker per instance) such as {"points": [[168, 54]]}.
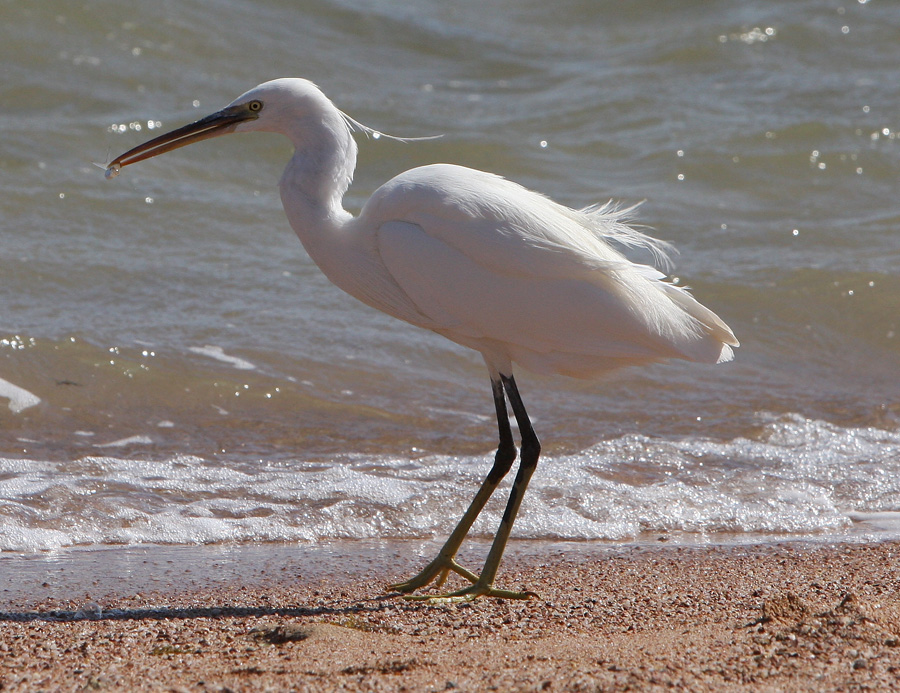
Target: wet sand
{"points": [[793, 616]]}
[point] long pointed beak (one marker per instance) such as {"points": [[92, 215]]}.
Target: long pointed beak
{"points": [[219, 123]]}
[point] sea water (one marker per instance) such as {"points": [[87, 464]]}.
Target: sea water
{"points": [[175, 370]]}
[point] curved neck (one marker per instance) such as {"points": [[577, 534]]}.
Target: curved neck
{"points": [[315, 180]]}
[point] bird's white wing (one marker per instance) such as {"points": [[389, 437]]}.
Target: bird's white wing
{"points": [[488, 261], [471, 302], [507, 228]]}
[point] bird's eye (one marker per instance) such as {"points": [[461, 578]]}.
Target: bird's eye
{"points": [[255, 106]]}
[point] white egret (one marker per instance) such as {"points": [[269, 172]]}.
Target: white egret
{"points": [[480, 260]]}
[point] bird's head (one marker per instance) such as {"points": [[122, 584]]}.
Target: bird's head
{"points": [[281, 105]]}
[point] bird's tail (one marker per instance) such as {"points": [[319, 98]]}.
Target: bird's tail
{"points": [[718, 339]]}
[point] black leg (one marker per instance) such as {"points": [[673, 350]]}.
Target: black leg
{"points": [[503, 460], [531, 450], [506, 450]]}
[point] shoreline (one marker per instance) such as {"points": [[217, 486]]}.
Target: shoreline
{"points": [[61, 578], [795, 615]]}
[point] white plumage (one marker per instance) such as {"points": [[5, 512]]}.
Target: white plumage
{"points": [[476, 258]]}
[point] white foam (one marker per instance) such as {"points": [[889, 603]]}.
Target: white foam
{"points": [[796, 478], [888, 520], [19, 398], [219, 354], [122, 442]]}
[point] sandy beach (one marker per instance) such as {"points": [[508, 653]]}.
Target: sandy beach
{"points": [[794, 616]]}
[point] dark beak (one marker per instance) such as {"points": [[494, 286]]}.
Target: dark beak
{"points": [[219, 123]]}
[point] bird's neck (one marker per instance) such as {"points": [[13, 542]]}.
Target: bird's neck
{"points": [[312, 191], [317, 176]]}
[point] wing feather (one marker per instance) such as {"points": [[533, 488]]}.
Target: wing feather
{"points": [[487, 261]]}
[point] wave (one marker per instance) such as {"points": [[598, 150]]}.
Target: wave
{"points": [[798, 478]]}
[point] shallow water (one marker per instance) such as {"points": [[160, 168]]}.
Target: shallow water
{"points": [[174, 369]]}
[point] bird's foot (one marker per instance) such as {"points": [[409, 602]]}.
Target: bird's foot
{"points": [[471, 593], [439, 569]]}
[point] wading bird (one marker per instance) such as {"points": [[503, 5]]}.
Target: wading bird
{"points": [[480, 260]]}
